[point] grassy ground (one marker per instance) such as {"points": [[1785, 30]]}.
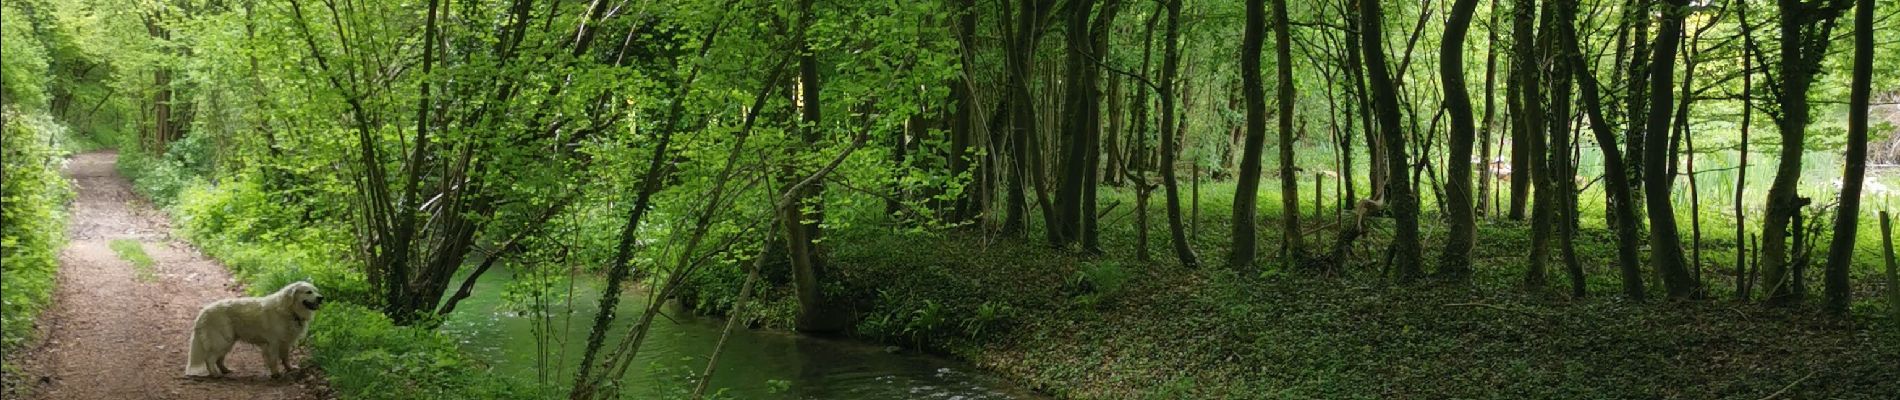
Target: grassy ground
{"points": [[134, 253], [1115, 327]]}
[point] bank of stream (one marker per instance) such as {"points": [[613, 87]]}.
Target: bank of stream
{"points": [[755, 365]]}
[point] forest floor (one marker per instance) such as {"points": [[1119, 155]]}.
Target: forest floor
{"points": [[1113, 327], [122, 313]]}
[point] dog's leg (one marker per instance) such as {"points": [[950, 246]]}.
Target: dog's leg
{"points": [[283, 355], [272, 360], [215, 348]]}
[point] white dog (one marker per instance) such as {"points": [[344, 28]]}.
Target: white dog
{"points": [[273, 323]]}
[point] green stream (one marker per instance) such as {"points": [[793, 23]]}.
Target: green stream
{"points": [[755, 364]]}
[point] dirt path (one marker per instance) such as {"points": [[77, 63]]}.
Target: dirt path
{"points": [[119, 332]]}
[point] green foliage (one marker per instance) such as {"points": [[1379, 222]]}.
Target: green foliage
{"points": [[32, 222], [164, 177], [362, 353], [1097, 280], [927, 317], [262, 248], [133, 252], [365, 356], [271, 172], [988, 315], [23, 76]]}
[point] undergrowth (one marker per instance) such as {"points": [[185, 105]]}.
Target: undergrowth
{"points": [[33, 198], [267, 244], [1114, 326]]}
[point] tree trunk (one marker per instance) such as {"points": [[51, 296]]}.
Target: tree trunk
{"points": [[1528, 112], [1560, 175], [1111, 140], [1490, 112], [1456, 261], [1840, 253], [1400, 201], [1171, 63], [1665, 243], [1138, 151], [1021, 49], [1092, 147], [1247, 189], [963, 118], [1893, 268], [1068, 205], [1292, 243], [804, 215], [1617, 184], [1741, 166], [1636, 100], [1535, 172], [1687, 141], [1355, 71], [1801, 53]]}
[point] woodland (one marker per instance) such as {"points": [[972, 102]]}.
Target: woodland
{"points": [[1071, 198]]}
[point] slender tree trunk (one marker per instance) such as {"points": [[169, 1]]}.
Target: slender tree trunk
{"points": [[1617, 184], [1741, 165], [1840, 253], [1019, 59], [1687, 137], [1561, 178], [732, 321], [1139, 153], [1665, 242], [1344, 120], [1490, 111], [1112, 141], [963, 117], [1893, 268], [1456, 261], [1637, 99], [1194, 195], [1528, 111], [1355, 70], [1170, 63], [1247, 188], [1092, 145], [1535, 172], [1403, 204], [1293, 244]]}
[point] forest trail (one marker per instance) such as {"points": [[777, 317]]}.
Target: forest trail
{"points": [[119, 331]]}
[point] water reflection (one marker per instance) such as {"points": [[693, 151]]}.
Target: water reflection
{"points": [[756, 365]]}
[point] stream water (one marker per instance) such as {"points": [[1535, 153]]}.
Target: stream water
{"points": [[755, 364]]}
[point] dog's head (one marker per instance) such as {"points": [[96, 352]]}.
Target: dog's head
{"points": [[303, 294]]}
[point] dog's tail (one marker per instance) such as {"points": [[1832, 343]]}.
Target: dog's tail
{"points": [[199, 362]]}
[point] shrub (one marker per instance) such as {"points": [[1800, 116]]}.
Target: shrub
{"points": [[363, 353], [164, 177], [32, 195], [1095, 281], [366, 356]]}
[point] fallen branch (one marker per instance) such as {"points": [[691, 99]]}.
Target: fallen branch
{"points": [[1784, 389]]}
